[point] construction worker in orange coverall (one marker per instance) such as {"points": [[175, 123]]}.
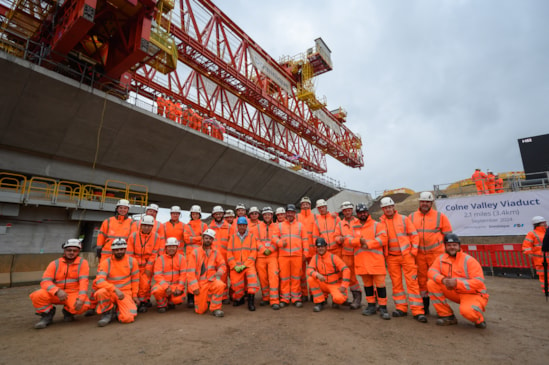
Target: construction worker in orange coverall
{"points": [[458, 277], [222, 229], [193, 239], [307, 218], [532, 246], [170, 276], [490, 183], [267, 260], [431, 227], [479, 178], [174, 227], [327, 274], [325, 224], [65, 281], [205, 267]]}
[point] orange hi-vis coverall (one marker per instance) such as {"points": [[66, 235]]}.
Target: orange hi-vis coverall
{"points": [[532, 245], [370, 260], [172, 229], [111, 229], [204, 270], [479, 178], [72, 278], [344, 233], [499, 185], [160, 105], [158, 228], [145, 249], [336, 274], [307, 218], [124, 275], [192, 235], [491, 184], [401, 259], [293, 248], [169, 272], [221, 240], [324, 227], [431, 228], [267, 265], [470, 291], [242, 251]]}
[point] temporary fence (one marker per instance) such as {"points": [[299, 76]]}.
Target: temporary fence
{"points": [[501, 258]]}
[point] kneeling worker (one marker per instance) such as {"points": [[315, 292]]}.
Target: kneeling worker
{"points": [[170, 275], [458, 277]]}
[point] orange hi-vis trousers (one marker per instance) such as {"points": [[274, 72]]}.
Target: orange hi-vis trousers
{"points": [[349, 260], [398, 265], [144, 292], [320, 291], [471, 306], [244, 282], [162, 299], [212, 292], [303, 280], [126, 308], [290, 278], [423, 261], [43, 301], [379, 282], [267, 270]]}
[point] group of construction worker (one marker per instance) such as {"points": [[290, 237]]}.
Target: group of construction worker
{"points": [[487, 183], [288, 257]]}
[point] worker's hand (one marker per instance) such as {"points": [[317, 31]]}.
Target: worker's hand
{"points": [[267, 252], [119, 294], [362, 242], [343, 289], [148, 273], [98, 253], [284, 243], [62, 295], [242, 268], [78, 304], [450, 283], [196, 292], [320, 277], [177, 293], [135, 300], [340, 240], [237, 268], [169, 291]]}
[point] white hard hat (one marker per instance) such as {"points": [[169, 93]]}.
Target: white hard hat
{"points": [[426, 196], [123, 203], [175, 209], [172, 241], [267, 210], [147, 220], [240, 206], [347, 205], [538, 219], [209, 232], [196, 209], [305, 199], [385, 202], [118, 243], [321, 203], [254, 210], [217, 209], [229, 213], [280, 210], [72, 242], [153, 207]]}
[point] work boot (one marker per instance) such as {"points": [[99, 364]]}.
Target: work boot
{"points": [[148, 303], [239, 302], [226, 301], [190, 300], [161, 309], [263, 302], [318, 307], [251, 306], [304, 298], [218, 313], [90, 312], [426, 302], [370, 310], [421, 318], [67, 316], [481, 325], [46, 320], [447, 321], [298, 304], [357, 299], [106, 318], [275, 307], [398, 313], [383, 312], [283, 304], [142, 308]]}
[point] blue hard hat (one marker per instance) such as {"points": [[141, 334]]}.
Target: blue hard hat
{"points": [[241, 220]]}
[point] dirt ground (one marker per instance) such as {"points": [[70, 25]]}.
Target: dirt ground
{"points": [[517, 317]]}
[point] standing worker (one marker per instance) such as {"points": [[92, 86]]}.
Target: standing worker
{"points": [[174, 227], [479, 178], [222, 230], [65, 281], [401, 260], [532, 245], [307, 218], [170, 276], [458, 277], [193, 239], [324, 227], [499, 185], [490, 183], [267, 260], [151, 210], [431, 227]]}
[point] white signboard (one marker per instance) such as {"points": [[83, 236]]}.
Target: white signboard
{"points": [[505, 214], [262, 65]]}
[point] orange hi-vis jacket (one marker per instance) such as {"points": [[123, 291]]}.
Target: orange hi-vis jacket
{"points": [[122, 274], [265, 239], [331, 267], [491, 183], [112, 228], [479, 178], [222, 233], [72, 278], [157, 228], [253, 227], [242, 251], [145, 249], [325, 227], [402, 234], [192, 234], [370, 260], [172, 229], [203, 267], [431, 228], [307, 218], [161, 105], [295, 237], [170, 271], [345, 229], [464, 268], [532, 245]]}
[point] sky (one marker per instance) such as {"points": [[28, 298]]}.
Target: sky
{"points": [[435, 88]]}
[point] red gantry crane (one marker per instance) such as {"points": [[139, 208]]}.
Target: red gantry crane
{"points": [[191, 51]]}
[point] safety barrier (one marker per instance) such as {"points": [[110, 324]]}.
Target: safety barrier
{"points": [[501, 257]]}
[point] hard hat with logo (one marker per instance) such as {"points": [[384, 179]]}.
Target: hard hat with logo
{"points": [[240, 206], [361, 207], [153, 207], [147, 220], [229, 213], [305, 199], [426, 196], [385, 202], [118, 243], [253, 210], [217, 209], [175, 209], [241, 220], [172, 241], [321, 203], [290, 208], [280, 210], [123, 203], [451, 237], [196, 209], [210, 232], [346, 205], [320, 242], [72, 242], [267, 210], [538, 219]]}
